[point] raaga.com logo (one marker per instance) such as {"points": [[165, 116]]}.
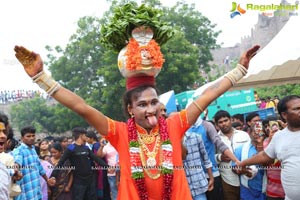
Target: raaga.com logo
{"points": [[237, 10]]}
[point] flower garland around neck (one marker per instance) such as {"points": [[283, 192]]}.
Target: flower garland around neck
{"points": [[134, 51], [136, 165]]}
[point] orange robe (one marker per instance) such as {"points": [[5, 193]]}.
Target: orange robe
{"points": [[118, 137]]}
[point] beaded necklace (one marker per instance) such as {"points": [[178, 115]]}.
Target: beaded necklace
{"points": [[135, 152]]}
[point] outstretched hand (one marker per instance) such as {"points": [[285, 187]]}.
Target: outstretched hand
{"points": [[248, 55], [31, 61]]}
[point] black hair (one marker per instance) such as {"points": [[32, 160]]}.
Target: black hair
{"points": [[134, 94], [282, 104], [57, 146], [250, 116], [27, 129], [220, 114], [4, 118], [77, 131], [43, 140], [61, 138], [236, 124], [92, 134], [265, 122], [238, 116]]}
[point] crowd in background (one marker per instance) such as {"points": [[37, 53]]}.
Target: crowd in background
{"points": [[9, 96], [83, 166]]}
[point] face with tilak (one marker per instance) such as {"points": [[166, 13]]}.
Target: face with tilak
{"points": [[146, 108], [3, 137]]}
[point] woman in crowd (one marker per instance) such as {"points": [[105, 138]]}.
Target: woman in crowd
{"points": [[44, 149], [62, 188]]}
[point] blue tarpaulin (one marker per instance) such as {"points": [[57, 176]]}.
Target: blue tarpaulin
{"points": [[168, 99]]}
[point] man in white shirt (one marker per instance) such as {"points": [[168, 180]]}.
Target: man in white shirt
{"points": [[232, 138], [284, 146]]}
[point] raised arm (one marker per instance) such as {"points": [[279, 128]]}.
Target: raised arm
{"points": [[33, 65], [221, 86]]}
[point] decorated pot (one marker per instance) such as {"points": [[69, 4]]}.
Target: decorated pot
{"points": [[141, 56]]}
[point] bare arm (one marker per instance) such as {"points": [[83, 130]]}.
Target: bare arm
{"points": [[211, 179], [33, 65], [216, 139], [69, 185], [230, 155], [218, 88], [94, 117], [184, 151], [261, 158]]}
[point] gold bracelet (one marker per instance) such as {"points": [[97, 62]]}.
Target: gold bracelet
{"points": [[197, 105]]}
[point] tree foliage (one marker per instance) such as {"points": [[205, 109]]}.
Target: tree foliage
{"points": [[197, 29], [46, 116], [281, 90]]}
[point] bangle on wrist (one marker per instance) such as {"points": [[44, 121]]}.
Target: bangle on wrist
{"points": [[46, 82], [198, 106], [236, 74], [219, 157]]}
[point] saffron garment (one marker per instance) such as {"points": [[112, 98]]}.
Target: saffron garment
{"points": [[118, 137]]}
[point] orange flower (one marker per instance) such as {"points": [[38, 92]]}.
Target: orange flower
{"points": [[134, 58]]}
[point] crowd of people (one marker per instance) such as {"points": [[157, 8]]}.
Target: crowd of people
{"points": [[83, 166], [9, 96]]}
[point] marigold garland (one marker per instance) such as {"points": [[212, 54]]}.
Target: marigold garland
{"points": [[136, 165], [134, 58]]}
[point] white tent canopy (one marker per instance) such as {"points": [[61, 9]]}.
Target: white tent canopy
{"points": [[277, 63], [283, 47]]}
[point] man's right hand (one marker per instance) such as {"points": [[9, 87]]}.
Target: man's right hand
{"points": [[31, 61]]}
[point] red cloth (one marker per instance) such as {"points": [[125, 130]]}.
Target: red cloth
{"points": [[133, 82], [274, 186]]}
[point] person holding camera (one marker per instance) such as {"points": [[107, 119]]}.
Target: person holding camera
{"points": [[253, 177], [108, 152]]}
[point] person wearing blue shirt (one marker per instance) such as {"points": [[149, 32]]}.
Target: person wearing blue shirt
{"points": [[195, 158], [253, 178], [212, 140], [30, 166]]}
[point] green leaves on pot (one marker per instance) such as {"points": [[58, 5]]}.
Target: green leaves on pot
{"points": [[117, 32]]}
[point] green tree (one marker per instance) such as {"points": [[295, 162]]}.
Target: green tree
{"points": [[197, 29], [280, 90], [31, 112], [90, 70], [181, 67], [46, 116]]}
